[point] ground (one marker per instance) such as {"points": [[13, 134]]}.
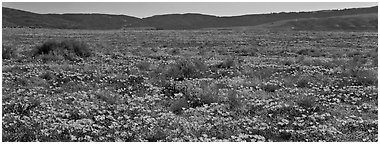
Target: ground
{"points": [[191, 85]]}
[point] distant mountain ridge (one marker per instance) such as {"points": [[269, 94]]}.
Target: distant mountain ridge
{"points": [[19, 18]]}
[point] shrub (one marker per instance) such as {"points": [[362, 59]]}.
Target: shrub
{"points": [[157, 135], [246, 51], [170, 89], [47, 58], [187, 68], [270, 87], [358, 60], [31, 82], [371, 53], [69, 49], [174, 51], [48, 75], [335, 63], [233, 100], [128, 84], [307, 102], [227, 63], [354, 53], [207, 95], [108, 97], [22, 107], [262, 73], [178, 105], [364, 77], [310, 52], [287, 62], [303, 82], [144, 65], [199, 93], [374, 61], [8, 52], [38, 82]]}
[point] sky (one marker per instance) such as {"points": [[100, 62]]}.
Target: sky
{"points": [[147, 9]]}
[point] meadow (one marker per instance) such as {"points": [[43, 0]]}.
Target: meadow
{"points": [[189, 85]]}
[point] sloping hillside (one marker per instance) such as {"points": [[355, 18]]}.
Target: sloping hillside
{"points": [[12, 18], [346, 23], [181, 21], [196, 21], [327, 19], [99, 21]]}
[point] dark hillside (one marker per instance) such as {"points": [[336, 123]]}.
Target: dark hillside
{"points": [[99, 21], [18, 18], [346, 23], [195, 21], [181, 21]]}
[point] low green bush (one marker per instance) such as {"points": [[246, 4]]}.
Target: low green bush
{"points": [[69, 49], [270, 87], [187, 68], [233, 100], [144, 65], [227, 63], [178, 105], [306, 102], [303, 82], [8, 52], [262, 73], [310, 52], [364, 77], [374, 62]]}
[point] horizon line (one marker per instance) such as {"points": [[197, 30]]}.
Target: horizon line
{"points": [[219, 16]]}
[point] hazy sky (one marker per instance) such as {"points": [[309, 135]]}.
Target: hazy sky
{"points": [[146, 9]]}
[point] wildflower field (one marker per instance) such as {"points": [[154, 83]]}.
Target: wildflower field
{"points": [[189, 85]]}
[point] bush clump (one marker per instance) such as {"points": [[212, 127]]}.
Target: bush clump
{"points": [[311, 52], [270, 87], [68, 49], [307, 102], [187, 68], [303, 81], [227, 63], [144, 66], [263, 73], [8, 52], [364, 77]]}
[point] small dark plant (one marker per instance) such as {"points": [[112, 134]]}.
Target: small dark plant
{"points": [[263, 73], [306, 102], [270, 87], [303, 82], [178, 105], [174, 51], [374, 61], [108, 97], [233, 100], [227, 63], [145, 66], [187, 68], [310, 52], [48, 75], [365, 77], [69, 49], [8, 52]]}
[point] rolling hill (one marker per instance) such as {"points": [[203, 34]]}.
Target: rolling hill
{"points": [[18, 18], [346, 19], [345, 23]]}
